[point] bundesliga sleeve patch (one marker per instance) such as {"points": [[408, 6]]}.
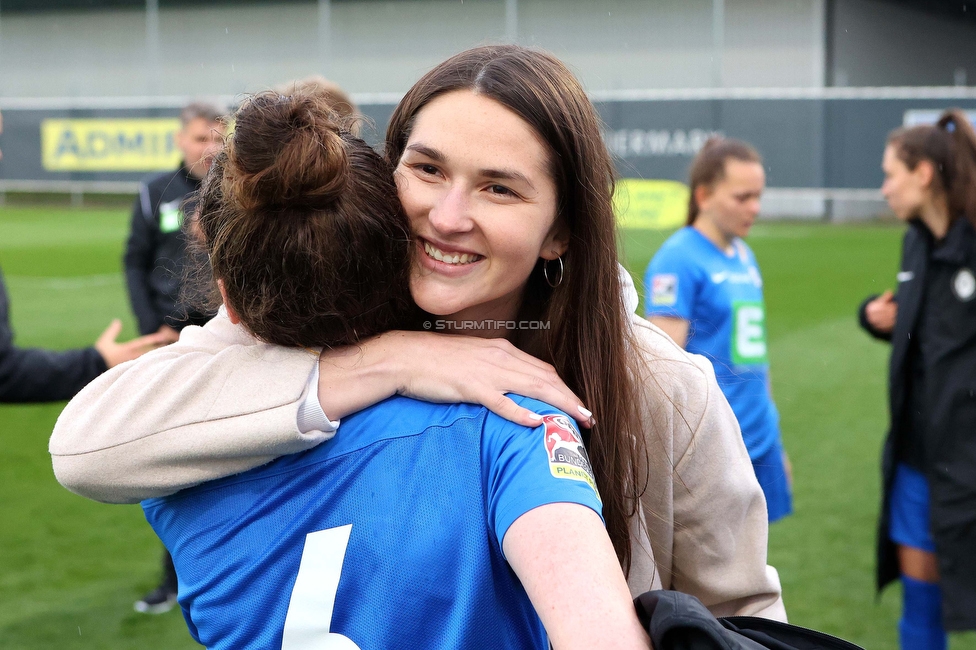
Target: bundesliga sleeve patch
{"points": [[664, 289], [567, 455]]}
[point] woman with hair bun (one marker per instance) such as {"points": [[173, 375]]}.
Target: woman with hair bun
{"points": [[927, 529], [420, 526], [705, 290], [504, 177]]}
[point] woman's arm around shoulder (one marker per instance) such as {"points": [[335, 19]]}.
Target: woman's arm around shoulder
{"points": [[220, 402], [714, 547], [216, 403]]}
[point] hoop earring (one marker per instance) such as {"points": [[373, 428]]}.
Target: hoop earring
{"points": [[545, 272]]}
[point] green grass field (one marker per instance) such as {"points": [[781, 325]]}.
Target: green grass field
{"points": [[70, 569]]}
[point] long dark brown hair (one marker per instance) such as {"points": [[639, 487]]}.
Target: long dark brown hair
{"points": [[950, 145], [588, 336], [301, 224], [708, 167]]}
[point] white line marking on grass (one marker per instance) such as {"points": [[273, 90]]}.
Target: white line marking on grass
{"points": [[66, 283]]}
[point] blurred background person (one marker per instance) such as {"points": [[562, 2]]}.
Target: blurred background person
{"points": [[35, 375], [705, 290], [155, 255], [340, 101], [156, 259], [927, 531]]}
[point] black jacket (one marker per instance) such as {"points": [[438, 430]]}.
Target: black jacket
{"points": [[937, 287], [33, 375], [155, 256]]}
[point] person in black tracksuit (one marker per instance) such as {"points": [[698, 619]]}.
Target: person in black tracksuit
{"points": [[36, 375], [927, 530], [156, 257]]}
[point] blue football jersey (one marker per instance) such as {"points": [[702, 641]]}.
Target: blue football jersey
{"points": [[720, 295], [387, 536]]}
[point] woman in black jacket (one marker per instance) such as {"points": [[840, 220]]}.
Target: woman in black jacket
{"points": [[927, 531]]}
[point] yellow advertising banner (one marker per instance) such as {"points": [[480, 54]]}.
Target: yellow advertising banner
{"points": [[650, 204], [110, 145]]}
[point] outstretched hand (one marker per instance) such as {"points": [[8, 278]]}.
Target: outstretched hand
{"points": [[115, 353], [447, 369], [169, 334], [882, 312]]}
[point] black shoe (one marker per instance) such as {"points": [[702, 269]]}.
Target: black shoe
{"points": [[158, 601]]}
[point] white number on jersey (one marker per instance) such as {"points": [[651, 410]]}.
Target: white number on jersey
{"points": [[313, 597]]}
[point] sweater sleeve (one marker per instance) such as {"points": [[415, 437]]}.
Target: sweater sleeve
{"points": [[721, 523], [705, 511], [216, 403], [35, 375]]}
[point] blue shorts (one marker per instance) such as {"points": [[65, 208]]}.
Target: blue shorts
{"points": [[909, 510], [771, 473]]}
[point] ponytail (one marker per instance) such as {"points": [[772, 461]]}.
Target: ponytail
{"points": [[950, 146], [961, 189]]}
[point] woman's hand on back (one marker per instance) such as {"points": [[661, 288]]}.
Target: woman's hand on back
{"points": [[442, 368]]}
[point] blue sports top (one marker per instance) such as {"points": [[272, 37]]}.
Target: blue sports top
{"points": [[720, 295], [387, 536]]}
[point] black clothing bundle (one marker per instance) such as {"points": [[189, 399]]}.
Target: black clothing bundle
{"points": [[677, 621]]}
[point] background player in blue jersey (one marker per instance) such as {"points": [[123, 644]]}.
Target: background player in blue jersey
{"points": [[508, 187], [704, 289], [405, 530]]}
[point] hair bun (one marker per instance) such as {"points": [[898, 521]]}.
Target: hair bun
{"points": [[286, 151]]}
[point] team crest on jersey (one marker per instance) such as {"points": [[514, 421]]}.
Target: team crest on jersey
{"points": [[567, 455], [664, 289], [964, 285]]}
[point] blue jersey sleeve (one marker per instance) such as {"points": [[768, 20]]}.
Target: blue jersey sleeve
{"points": [[526, 468], [672, 283]]}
